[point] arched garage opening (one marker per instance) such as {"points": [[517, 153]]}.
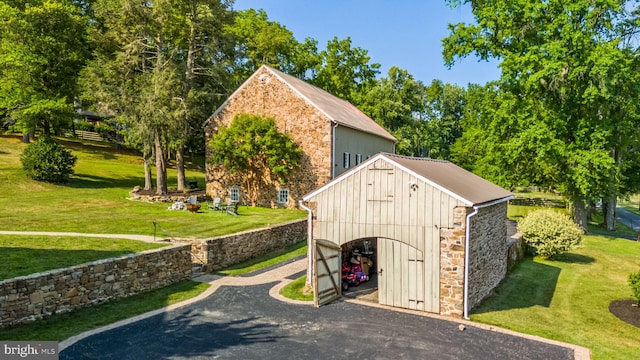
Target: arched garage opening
{"points": [[399, 274]]}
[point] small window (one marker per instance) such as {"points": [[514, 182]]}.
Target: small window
{"points": [[283, 196], [234, 194], [347, 160], [358, 158]]}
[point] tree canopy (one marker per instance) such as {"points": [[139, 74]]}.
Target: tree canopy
{"points": [[563, 113], [43, 47]]}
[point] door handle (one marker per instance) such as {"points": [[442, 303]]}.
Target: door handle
{"points": [[380, 271]]}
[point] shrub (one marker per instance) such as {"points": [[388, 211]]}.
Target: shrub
{"points": [[634, 282], [46, 160], [85, 126], [549, 232], [106, 131]]}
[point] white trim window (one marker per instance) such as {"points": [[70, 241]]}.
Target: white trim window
{"points": [[283, 196], [347, 160], [234, 194], [358, 159]]}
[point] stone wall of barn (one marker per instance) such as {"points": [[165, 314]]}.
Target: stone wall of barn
{"points": [[28, 298], [266, 95], [452, 242], [488, 251]]}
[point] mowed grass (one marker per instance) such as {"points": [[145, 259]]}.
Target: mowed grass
{"points": [[268, 260], [62, 326], [295, 290], [95, 201], [26, 254], [568, 299]]}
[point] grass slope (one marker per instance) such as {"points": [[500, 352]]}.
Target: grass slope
{"points": [[95, 199], [568, 299], [23, 255]]}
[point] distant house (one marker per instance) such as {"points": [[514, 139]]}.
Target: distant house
{"points": [[333, 134], [437, 233]]}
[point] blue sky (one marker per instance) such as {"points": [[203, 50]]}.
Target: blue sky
{"points": [[404, 33]]}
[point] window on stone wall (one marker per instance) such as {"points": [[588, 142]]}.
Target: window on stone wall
{"points": [[358, 158], [347, 160], [283, 196], [234, 194]]}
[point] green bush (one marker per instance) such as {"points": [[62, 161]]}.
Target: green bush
{"points": [[106, 131], [549, 232], [46, 160], [634, 282], [84, 125]]}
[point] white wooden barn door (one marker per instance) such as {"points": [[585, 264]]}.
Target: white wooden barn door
{"points": [[327, 274], [401, 275]]}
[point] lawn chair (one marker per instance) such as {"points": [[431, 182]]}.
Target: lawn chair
{"points": [[232, 208], [192, 204], [192, 200], [215, 205]]}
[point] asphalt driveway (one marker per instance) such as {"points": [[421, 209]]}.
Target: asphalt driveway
{"points": [[244, 322]]}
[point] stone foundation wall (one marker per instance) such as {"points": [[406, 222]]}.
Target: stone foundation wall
{"points": [[488, 251], [452, 246], [28, 298], [223, 251]]}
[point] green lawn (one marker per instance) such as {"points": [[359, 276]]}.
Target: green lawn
{"points": [[568, 299], [268, 260], [95, 199], [25, 254]]}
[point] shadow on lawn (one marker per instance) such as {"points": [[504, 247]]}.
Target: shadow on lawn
{"points": [[529, 284], [86, 181], [570, 258]]}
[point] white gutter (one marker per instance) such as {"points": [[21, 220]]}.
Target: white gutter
{"points": [[333, 150], [309, 242], [467, 254]]}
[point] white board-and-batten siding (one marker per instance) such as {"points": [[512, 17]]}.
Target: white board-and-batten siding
{"points": [[381, 200]]}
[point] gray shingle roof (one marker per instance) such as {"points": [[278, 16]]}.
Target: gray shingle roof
{"points": [[450, 176], [338, 110]]}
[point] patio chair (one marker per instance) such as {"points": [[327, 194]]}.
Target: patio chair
{"points": [[192, 200], [232, 208], [215, 205]]}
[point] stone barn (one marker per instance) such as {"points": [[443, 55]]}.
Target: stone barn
{"points": [[436, 233], [333, 134]]}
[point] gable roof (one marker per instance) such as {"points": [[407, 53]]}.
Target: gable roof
{"points": [[337, 110], [444, 175]]}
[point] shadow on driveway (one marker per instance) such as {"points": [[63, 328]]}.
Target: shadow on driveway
{"points": [[246, 323]]}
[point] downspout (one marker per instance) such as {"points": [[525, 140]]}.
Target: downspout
{"points": [[309, 242], [333, 150], [466, 263]]}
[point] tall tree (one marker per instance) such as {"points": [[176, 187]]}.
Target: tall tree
{"points": [[203, 56], [160, 66], [395, 100], [345, 71], [260, 41], [43, 46], [561, 65]]}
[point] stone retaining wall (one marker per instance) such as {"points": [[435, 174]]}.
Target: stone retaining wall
{"points": [[228, 250], [28, 298]]}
